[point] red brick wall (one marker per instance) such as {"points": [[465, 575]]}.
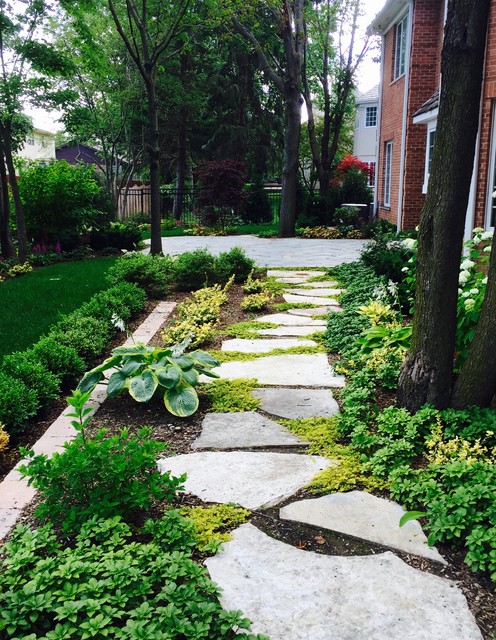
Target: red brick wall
{"points": [[391, 124], [428, 19], [488, 99]]}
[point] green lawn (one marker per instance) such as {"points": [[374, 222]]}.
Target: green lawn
{"points": [[32, 303], [242, 229]]}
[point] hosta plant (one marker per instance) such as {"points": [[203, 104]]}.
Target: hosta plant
{"points": [[144, 370]]}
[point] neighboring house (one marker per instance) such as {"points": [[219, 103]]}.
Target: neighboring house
{"points": [[39, 147], [80, 153], [412, 38], [366, 128]]}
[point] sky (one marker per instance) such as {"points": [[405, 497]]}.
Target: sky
{"points": [[368, 73]]}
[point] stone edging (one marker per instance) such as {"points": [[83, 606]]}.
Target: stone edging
{"points": [[15, 493]]}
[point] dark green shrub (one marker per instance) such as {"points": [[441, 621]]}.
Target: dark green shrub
{"points": [[387, 257], [111, 585], [60, 359], [194, 269], [257, 207], [151, 273], [138, 217], [24, 366], [122, 301], [234, 262], [44, 259], [102, 477], [87, 335], [119, 236], [18, 403]]}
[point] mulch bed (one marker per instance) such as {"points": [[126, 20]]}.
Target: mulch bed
{"points": [[122, 412]]}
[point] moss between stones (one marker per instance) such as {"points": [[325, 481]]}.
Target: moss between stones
{"points": [[247, 329], [240, 356], [284, 306], [323, 435], [230, 396]]}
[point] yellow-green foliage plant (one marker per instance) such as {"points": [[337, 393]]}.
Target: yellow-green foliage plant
{"points": [[253, 285], [323, 436], [212, 524], [4, 440], [230, 396], [19, 269], [256, 301], [198, 316]]}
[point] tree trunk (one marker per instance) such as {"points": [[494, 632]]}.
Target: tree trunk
{"points": [[287, 216], [476, 384], [22, 247], [154, 163], [181, 165], [427, 374], [6, 244]]}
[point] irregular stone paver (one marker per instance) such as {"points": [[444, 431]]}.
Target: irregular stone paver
{"points": [[264, 345], [286, 319], [301, 280], [321, 284], [297, 403], [310, 299], [314, 311], [275, 273], [244, 430], [250, 479], [292, 594], [319, 293], [304, 370], [291, 331], [363, 516]]}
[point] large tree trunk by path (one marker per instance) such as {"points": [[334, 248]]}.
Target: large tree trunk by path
{"points": [[476, 384], [154, 163], [287, 216], [427, 374]]}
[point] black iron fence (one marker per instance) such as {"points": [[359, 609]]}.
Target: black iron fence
{"points": [[137, 200]]}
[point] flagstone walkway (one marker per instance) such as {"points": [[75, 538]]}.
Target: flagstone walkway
{"points": [[252, 460]]}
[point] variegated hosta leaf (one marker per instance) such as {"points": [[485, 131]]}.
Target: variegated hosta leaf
{"points": [[142, 387], [169, 376], [116, 384], [181, 401]]}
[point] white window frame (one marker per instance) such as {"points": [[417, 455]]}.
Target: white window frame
{"points": [[369, 118], [400, 46], [388, 165], [372, 169], [431, 130], [31, 142]]}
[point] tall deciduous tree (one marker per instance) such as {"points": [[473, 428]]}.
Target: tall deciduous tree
{"points": [[152, 32], [285, 73], [330, 63], [427, 374]]}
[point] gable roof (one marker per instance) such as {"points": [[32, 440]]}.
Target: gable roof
{"points": [[369, 96]]}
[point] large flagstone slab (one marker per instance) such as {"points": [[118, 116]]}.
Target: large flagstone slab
{"points": [[292, 594], [364, 516], [303, 370], [321, 284], [264, 345], [297, 403], [286, 319], [319, 293], [314, 311], [291, 331], [243, 430], [250, 479], [276, 273], [300, 280], [310, 299]]}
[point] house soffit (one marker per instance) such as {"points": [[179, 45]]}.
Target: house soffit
{"points": [[388, 15]]}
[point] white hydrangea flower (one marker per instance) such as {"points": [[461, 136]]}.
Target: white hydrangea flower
{"points": [[474, 292], [405, 269], [410, 243], [484, 280], [465, 294], [464, 276], [487, 249], [487, 235], [467, 264], [477, 230], [469, 304]]}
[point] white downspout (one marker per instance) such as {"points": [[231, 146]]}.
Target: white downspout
{"points": [[405, 116], [379, 131]]}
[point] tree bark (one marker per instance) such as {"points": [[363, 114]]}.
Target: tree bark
{"points": [[476, 384], [22, 246], [154, 163], [287, 215], [6, 244], [427, 374]]}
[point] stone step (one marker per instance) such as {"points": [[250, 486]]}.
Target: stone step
{"points": [[319, 293], [293, 594], [311, 299], [364, 516], [243, 430], [290, 331], [261, 345], [292, 370], [286, 319], [314, 311], [279, 273], [297, 403], [250, 479]]}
